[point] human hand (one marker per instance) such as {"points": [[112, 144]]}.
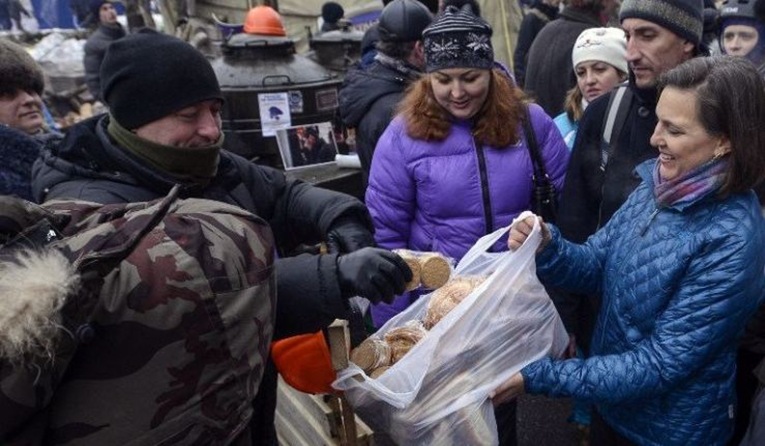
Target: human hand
{"points": [[373, 273], [521, 231], [509, 390], [347, 235]]}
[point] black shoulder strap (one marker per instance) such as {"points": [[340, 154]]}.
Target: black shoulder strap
{"points": [[540, 173], [618, 108]]}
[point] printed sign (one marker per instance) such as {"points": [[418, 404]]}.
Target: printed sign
{"points": [[274, 112]]}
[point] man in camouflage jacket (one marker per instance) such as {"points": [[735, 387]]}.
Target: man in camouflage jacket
{"points": [[142, 323], [164, 129]]}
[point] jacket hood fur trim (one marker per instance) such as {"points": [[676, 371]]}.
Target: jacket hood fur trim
{"points": [[33, 290]]}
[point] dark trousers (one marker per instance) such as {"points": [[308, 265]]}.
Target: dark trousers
{"points": [[505, 415], [746, 386], [601, 434]]}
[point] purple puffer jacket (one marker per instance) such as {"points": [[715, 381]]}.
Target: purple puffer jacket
{"points": [[435, 196]]}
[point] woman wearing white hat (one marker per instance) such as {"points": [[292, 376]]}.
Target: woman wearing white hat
{"points": [[599, 61]]}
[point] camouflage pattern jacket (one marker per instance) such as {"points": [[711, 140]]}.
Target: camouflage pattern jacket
{"points": [[142, 324]]}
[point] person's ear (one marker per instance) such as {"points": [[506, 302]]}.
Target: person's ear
{"points": [[723, 147], [688, 48]]}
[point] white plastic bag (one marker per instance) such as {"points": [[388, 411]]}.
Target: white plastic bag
{"points": [[438, 393]]}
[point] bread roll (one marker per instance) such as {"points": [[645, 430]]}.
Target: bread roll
{"points": [[371, 354], [444, 299], [434, 270], [378, 371], [414, 264], [402, 339]]}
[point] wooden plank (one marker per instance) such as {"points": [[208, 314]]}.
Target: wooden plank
{"points": [[310, 419], [339, 339], [300, 420]]}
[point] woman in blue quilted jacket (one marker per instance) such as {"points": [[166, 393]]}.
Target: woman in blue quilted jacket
{"points": [[679, 266]]}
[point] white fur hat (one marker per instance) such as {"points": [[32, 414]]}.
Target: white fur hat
{"points": [[607, 45]]}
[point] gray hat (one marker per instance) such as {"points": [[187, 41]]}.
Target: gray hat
{"points": [[403, 21], [683, 17]]}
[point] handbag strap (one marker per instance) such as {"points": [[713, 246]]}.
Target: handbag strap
{"points": [[540, 173]]}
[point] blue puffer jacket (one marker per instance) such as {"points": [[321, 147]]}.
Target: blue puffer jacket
{"points": [[678, 286]]}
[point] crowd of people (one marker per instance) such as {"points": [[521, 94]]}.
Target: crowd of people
{"points": [[136, 252]]}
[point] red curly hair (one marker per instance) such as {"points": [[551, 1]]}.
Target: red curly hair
{"points": [[495, 124]]}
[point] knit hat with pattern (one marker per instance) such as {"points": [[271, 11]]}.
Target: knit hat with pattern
{"points": [[683, 17], [458, 39]]}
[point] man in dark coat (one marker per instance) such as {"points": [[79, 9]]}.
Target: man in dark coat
{"points": [[659, 38], [539, 15], [107, 31], [549, 72], [369, 97], [164, 129]]}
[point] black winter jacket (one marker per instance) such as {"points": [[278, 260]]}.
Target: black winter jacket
{"points": [[549, 73], [589, 197], [368, 99], [533, 22], [95, 50], [86, 165], [586, 204]]}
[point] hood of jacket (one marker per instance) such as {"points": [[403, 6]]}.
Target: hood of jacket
{"points": [[362, 88]]}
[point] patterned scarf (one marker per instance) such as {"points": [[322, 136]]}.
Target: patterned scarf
{"points": [[695, 184]]}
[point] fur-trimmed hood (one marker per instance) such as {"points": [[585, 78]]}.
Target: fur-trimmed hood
{"points": [[34, 286]]}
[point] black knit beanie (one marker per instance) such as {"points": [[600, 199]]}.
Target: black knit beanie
{"points": [[148, 75], [458, 39], [331, 12], [683, 17], [95, 6]]}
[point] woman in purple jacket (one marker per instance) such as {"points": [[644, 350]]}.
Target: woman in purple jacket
{"points": [[454, 165]]}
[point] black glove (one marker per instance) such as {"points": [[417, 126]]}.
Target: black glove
{"points": [[348, 234], [373, 273]]}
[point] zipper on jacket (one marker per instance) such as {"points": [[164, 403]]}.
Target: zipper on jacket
{"points": [[487, 214], [648, 223]]}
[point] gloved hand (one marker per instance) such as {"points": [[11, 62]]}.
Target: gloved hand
{"points": [[373, 273], [347, 234]]}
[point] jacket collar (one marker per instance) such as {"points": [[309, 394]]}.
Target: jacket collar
{"points": [[646, 96], [114, 31]]}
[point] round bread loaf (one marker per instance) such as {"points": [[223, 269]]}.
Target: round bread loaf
{"points": [[402, 339], [434, 270], [444, 299], [414, 264], [371, 354], [378, 371]]}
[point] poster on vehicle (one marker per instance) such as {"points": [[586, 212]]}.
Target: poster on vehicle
{"points": [[274, 112]]}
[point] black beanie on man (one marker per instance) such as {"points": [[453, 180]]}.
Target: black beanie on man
{"points": [[148, 75]]}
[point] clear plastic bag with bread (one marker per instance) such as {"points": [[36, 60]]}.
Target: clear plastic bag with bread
{"points": [[437, 393]]}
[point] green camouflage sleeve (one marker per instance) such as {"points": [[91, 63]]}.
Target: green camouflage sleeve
{"points": [[158, 333]]}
